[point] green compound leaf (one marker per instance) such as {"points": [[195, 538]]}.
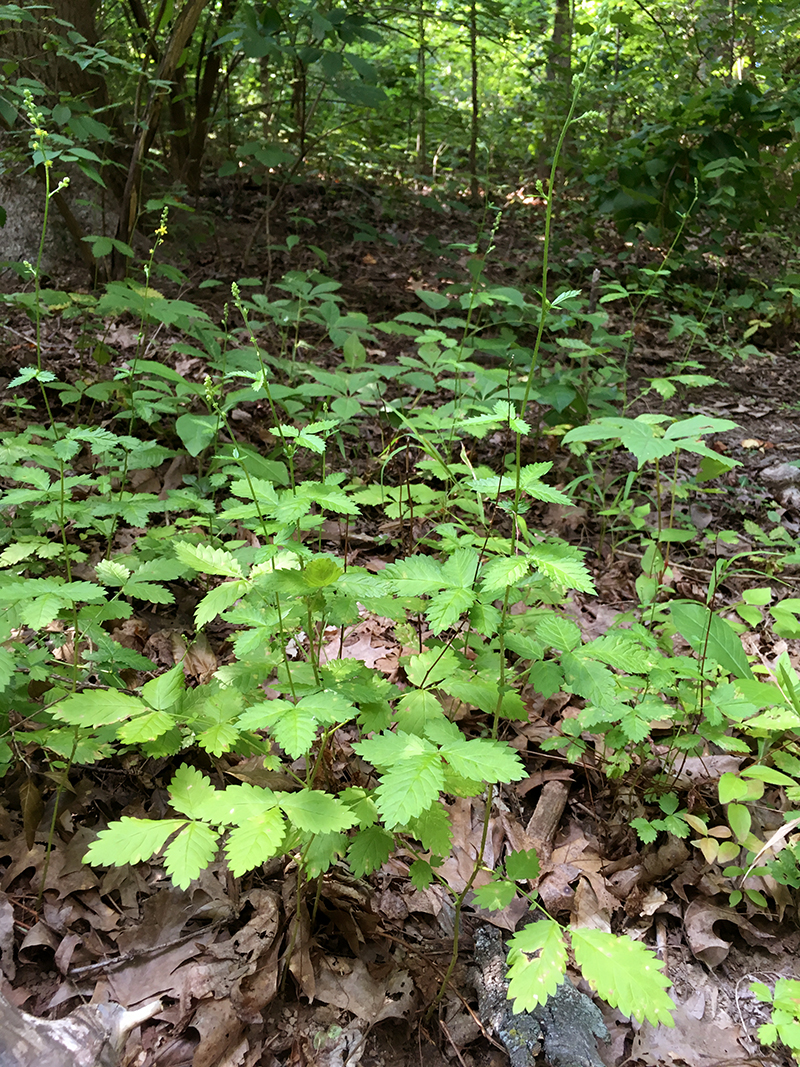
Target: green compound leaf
{"points": [[625, 973], [208, 560], [131, 841], [190, 853], [433, 829], [369, 849], [421, 874], [219, 600], [145, 727], [316, 812], [98, 707], [409, 787], [165, 690], [533, 978], [445, 609], [563, 564], [504, 571], [522, 865], [495, 895], [483, 760], [255, 841], [191, 791], [294, 727]]}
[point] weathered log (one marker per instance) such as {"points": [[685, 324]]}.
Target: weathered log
{"points": [[91, 1036]]}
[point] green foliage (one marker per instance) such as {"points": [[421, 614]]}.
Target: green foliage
{"points": [[785, 1024], [624, 972]]}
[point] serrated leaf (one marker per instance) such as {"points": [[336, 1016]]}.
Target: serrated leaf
{"points": [[208, 560], [504, 571], [421, 874], [145, 727], [98, 707], [219, 738], [110, 572], [495, 895], [316, 812], [416, 709], [131, 841], [483, 760], [255, 841], [557, 632], [218, 600], [429, 668], [446, 608], [533, 978], [625, 973], [409, 787], [293, 726], [562, 563], [190, 791], [190, 853], [522, 865], [415, 576], [369, 850], [433, 829], [165, 690]]}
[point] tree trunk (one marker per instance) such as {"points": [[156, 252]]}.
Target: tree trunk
{"points": [[184, 27]]}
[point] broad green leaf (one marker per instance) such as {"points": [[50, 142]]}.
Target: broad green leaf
{"points": [[433, 829], [321, 572], [421, 874], [219, 738], [589, 679], [165, 690], [369, 850], [294, 727], [430, 668], [409, 787], [554, 631], [625, 973], [415, 576], [131, 841], [461, 568], [219, 600], [562, 563], [321, 852], [437, 301], [254, 841], [711, 636], [504, 571], [731, 788], [641, 436], [533, 978], [416, 709], [495, 895], [471, 689], [316, 812], [740, 821], [190, 791], [98, 707], [446, 608], [483, 760], [208, 560], [387, 749], [190, 853], [522, 865], [329, 706], [145, 727], [196, 432]]}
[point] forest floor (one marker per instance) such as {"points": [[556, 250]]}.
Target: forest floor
{"points": [[369, 954]]}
